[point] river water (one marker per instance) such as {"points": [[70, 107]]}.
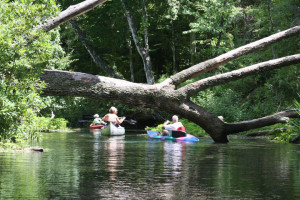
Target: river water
{"points": [[86, 165]]}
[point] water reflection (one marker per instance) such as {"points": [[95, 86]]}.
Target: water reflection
{"points": [[115, 146], [87, 165], [173, 157]]}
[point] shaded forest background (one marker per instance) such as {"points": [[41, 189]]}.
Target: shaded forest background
{"points": [[180, 34]]}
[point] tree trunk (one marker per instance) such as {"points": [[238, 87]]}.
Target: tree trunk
{"points": [[97, 60], [193, 49], [130, 61], [220, 33], [159, 96], [266, 132], [165, 96], [143, 51]]}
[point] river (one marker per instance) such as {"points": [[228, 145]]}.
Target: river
{"points": [[86, 165]]}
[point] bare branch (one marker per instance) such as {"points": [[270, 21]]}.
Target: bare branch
{"points": [[231, 55], [70, 13], [281, 117], [203, 84]]}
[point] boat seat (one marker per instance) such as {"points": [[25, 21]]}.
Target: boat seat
{"points": [[176, 134]]}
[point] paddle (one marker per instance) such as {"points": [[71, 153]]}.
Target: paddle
{"points": [[130, 121], [159, 115]]}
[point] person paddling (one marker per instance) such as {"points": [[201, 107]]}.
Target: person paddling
{"points": [[112, 117], [176, 125], [97, 120]]}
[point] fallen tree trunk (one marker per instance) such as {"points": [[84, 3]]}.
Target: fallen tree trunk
{"points": [[265, 132], [166, 96], [295, 139], [159, 96]]}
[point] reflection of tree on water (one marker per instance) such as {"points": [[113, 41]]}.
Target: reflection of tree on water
{"points": [[96, 147], [115, 160]]}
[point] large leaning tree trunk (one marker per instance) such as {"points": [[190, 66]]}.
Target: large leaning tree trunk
{"points": [[166, 96]]}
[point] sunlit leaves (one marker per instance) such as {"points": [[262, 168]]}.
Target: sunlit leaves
{"points": [[22, 59]]}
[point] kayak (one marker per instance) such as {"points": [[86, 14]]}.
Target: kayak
{"points": [[111, 129], [175, 135], [94, 126]]}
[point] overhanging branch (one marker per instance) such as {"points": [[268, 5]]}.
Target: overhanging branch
{"points": [[231, 55], [281, 117], [70, 13], [203, 84]]}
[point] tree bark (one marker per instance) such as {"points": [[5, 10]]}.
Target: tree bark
{"points": [[220, 33], [97, 60], [165, 96], [265, 132], [159, 96], [143, 51], [130, 61], [231, 55], [203, 84], [70, 13], [281, 117]]}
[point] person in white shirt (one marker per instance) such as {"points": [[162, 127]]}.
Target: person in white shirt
{"points": [[167, 126]]}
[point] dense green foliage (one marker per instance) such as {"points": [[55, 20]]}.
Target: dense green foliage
{"points": [[294, 127], [181, 33], [200, 31], [22, 59]]}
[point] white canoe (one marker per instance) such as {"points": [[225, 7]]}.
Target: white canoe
{"points": [[113, 130]]}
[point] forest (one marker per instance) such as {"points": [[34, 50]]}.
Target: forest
{"points": [[223, 66]]}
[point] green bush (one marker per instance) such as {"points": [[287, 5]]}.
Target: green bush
{"points": [[24, 53], [293, 127], [43, 123]]}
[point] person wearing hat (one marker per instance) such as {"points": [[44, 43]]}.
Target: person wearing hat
{"points": [[97, 120]]}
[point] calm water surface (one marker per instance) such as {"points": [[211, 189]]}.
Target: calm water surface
{"points": [[85, 165]]}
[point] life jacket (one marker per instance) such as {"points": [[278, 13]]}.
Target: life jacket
{"points": [[181, 128], [97, 120]]}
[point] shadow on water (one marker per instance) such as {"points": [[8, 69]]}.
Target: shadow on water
{"points": [[87, 165]]}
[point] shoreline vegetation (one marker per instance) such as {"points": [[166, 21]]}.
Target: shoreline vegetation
{"points": [[200, 66], [33, 132]]}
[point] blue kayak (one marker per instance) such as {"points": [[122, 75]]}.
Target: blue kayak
{"points": [[175, 135]]}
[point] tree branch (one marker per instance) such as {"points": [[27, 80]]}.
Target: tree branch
{"points": [[70, 13], [265, 132], [65, 83], [203, 84], [97, 60], [231, 55], [281, 117]]}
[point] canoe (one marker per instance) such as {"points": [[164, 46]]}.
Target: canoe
{"points": [[111, 129], [94, 126], [187, 137]]}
